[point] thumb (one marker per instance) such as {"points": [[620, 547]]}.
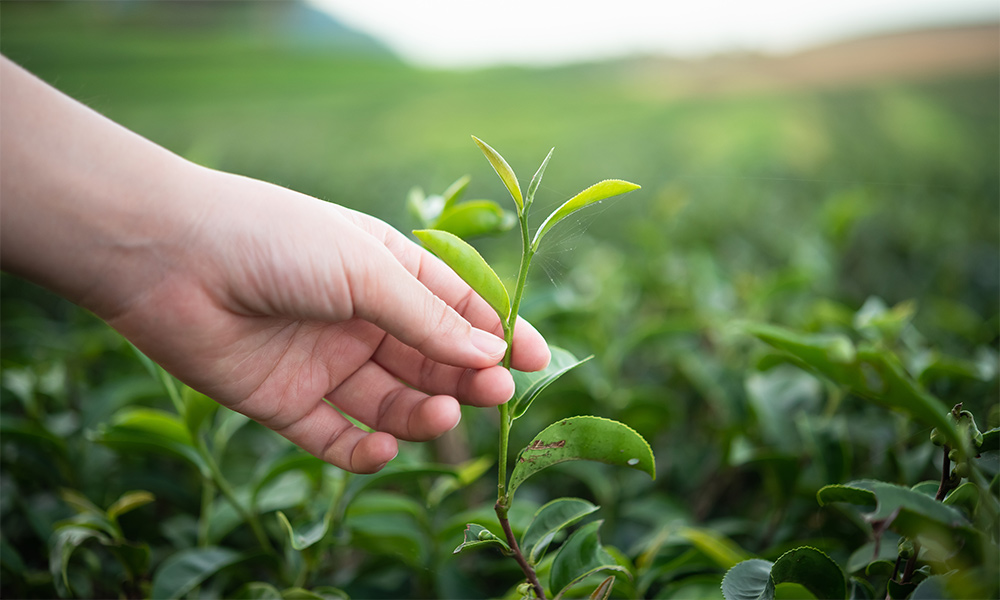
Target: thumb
{"points": [[388, 295]]}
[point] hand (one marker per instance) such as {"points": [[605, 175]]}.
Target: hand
{"points": [[266, 300], [278, 300]]}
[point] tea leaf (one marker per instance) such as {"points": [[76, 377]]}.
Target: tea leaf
{"points": [[65, 541], [183, 571], [811, 569], [583, 438], [129, 501], [723, 551], [504, 171], [477, 536], [454, 192], [469, 265], [749, 580], [475, 218], [536, 180], [152, 429], [595, 193], [580, 556], [309, 535], [529, 385], [548, 521]]}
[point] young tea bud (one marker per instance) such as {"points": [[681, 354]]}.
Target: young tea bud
{"points": [[905, 548], [962, 469], [937, 438]]}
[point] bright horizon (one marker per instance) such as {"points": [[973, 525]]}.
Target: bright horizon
{"points": [[469, 34]]}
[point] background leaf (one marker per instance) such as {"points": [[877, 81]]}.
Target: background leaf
{"points": [[813, 570], [749, 580], [185, 570], [475, 218]]}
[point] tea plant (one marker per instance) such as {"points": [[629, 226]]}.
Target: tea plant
{"points": [[573, 438], [936, 539]]}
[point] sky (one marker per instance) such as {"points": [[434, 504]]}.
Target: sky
{"points": [[477, 33]]}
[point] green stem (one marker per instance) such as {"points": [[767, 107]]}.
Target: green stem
{"points": [[223, 486], [508, 335]]}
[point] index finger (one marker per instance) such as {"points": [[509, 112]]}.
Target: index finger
{"points": [[530, 352]]}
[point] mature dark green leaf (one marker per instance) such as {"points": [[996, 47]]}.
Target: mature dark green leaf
{"points": [[469, 265], [581, 555], [548, 521], [965, 497], [846, 493], [813, 570], [64, 542], [475, 218], [528, 386], [991, 440], [153, 429], [932, 588], [504, 171], [477, 536], [868, 371], [583, 438], [749, 580], [183, 571], [257, 590], [595, 193]]}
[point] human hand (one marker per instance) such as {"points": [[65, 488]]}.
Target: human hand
{"points": [[264, 299], [277, 300]]}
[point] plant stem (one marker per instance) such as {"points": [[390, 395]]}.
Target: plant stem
{"points": [[508, 334], [223, 486], [503, 500], [529, 572], [945, 486]]}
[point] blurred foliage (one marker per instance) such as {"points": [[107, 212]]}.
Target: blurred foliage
{"points": [[868, 212]]}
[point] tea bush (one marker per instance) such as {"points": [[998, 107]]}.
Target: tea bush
{"points": [[804, 289]]}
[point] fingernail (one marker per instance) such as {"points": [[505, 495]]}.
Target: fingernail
{"points": [[488, 343]]}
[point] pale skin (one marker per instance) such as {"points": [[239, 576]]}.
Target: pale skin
{"points": [[266, 300]]}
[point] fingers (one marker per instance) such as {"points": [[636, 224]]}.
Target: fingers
{"points": [[530, 353], [326, 434], [388, 295]]}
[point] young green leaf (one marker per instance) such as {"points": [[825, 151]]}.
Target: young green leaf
{"points": [[469, 265], [454, 192], [306, 536], [580, 556], [129, 501], [528, 386], [537, 179], [476, 536], [583, 438], [475, 218], [504, 171], [595, 193], [550, 520]]}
